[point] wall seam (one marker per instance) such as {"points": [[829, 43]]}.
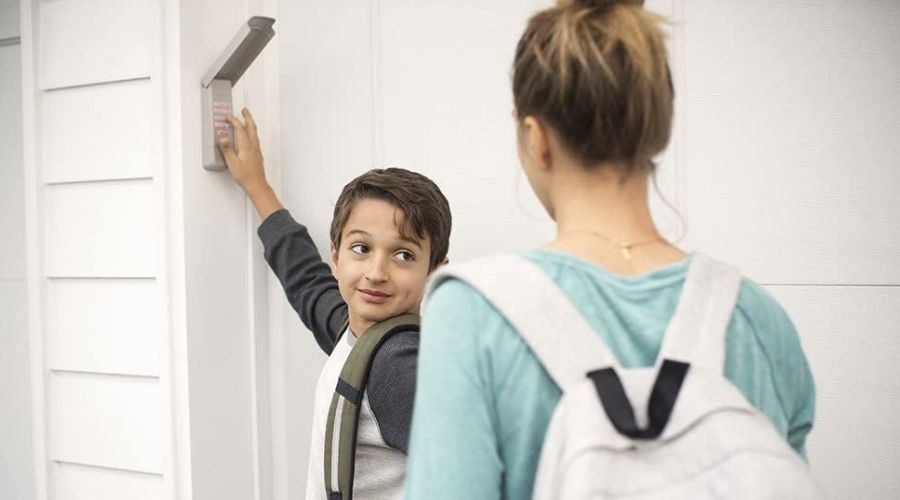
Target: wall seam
{"points": [[680, 104], [97, 83], [375, 62], [13, 40], [106, 467], [30, 162]]}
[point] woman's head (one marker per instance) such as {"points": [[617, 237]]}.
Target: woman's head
{"points": [[595, 73]]}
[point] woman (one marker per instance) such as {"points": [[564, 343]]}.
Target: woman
{"points": [[593, 99]]}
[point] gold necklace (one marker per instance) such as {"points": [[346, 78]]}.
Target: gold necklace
{"points": [[624, 246]]}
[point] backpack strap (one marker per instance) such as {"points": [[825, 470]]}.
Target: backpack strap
{"points": [[696, 333], [343, 415], [566, 345]]}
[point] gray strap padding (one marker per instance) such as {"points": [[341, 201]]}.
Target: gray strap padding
{"points": [[697, 332], [566, 345]]}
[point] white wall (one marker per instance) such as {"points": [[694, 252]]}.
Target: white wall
{"points": [[94, 241], [144, 296], [792, 114], [16, 455], [783, 162]]}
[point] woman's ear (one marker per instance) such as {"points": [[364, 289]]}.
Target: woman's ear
{"points": [[537, 142]]}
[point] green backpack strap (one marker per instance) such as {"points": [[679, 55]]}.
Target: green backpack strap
{"points": [[343, 416]]}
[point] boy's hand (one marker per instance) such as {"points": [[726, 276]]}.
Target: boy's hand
{"points": [[245, 165]]}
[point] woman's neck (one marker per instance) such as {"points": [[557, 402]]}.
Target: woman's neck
{"points": [[600, 202], [598, 215]]}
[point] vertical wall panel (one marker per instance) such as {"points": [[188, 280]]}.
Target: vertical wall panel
{"points": [[106, 421], [90, 41], [16, 446], [849, 335], [16, 451], [447, 112], [215, 235], [103, 326], [77, 482], [9, 18], [326, 105], [792, 115], [101, 229], [12, 202], [73, 148]]}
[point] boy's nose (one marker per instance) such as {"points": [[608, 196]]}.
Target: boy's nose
{"points": [[376, 273]]}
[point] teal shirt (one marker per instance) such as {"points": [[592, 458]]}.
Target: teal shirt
{"points": [[483, 401]]}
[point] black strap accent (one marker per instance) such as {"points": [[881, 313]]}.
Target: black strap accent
{"points": [[347, 391], [334, 496], [659, 407]]}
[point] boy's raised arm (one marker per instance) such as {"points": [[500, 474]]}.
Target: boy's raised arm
{"points": [[307, 281], [246, 165]]}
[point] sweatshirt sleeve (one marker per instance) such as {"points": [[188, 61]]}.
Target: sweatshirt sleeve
{"points": [[391, 388], [308, 283]]}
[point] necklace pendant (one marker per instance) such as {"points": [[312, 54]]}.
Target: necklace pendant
{"points": [[626, 253]]}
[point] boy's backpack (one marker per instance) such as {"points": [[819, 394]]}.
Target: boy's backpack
{"points": [[343, 416], [679, 429]]}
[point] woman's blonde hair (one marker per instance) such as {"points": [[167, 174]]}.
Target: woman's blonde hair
{"points": [[596, 72]]}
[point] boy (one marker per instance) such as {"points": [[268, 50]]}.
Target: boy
{"points": [[390, 230]]}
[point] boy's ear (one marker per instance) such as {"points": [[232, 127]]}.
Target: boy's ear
{"points": [[442, 264], [334, 260]]}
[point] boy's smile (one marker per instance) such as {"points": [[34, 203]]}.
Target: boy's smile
{"points": [[380, 273], [373, 296]]}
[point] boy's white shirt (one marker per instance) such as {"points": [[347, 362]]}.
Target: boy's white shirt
{"points": [[380, 469]]}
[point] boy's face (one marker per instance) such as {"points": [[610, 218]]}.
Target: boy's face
{"points": [[380, 274]]}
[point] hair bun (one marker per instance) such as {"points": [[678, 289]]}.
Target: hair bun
{"points": [[598, 4]]}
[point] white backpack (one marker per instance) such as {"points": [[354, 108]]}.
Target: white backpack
{"points": [[676, 430]]}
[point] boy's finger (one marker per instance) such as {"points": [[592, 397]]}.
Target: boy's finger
{"points": [[251, 123], [227, 151], [235, 121], [251, 127], [240, 132]]}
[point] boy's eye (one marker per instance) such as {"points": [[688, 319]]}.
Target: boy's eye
{"points": [[359, 248], [405, 256]]}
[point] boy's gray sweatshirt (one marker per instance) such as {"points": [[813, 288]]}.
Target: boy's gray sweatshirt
{"points": [[313, 292]]}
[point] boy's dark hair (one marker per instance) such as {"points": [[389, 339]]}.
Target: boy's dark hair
{"points": [[425, 210]]}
